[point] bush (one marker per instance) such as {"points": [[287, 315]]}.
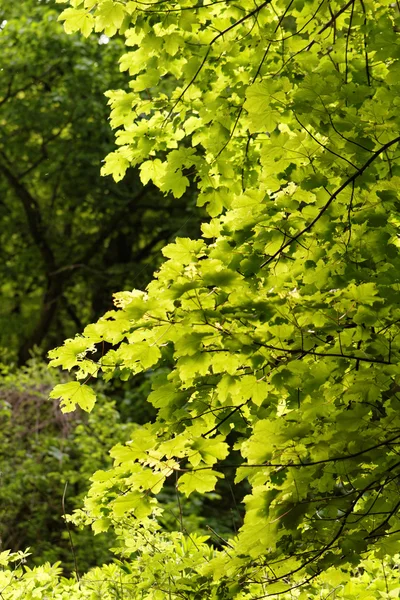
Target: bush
{"points": [[45, 455]]}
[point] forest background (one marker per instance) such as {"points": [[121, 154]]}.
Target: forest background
{"points": [[297, 368], [69, 239]]}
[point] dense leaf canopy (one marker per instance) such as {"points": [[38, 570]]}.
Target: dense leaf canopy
{"points": [[277, 331]]}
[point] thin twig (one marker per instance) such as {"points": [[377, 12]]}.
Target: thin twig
{"points": [[69, 532]]}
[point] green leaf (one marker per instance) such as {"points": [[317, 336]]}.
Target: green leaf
{"points": [[77, 20], [209, 451], [183, 250], [101, 525], [115, 165], [152, 170], [72, 394], [132, 502], [140, 352], [198, 481], [69, 355], [262, 102], [109, 16]]}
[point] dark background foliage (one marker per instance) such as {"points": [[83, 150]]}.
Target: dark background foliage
{"points": [[46, 460], [68, 237]]}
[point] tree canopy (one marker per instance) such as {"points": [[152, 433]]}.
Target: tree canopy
{"points": [[275, 336]]}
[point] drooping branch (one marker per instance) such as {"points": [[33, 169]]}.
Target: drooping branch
{"points": [[293, 464]]}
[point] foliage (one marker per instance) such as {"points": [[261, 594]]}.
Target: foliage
{"points": [[46, 455], [68, 238], [172, 561], [278, 331], [42, 452]]}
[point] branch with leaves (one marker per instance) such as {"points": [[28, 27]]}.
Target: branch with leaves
{"points": [[275, 336]]}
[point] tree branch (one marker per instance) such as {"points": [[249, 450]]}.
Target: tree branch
{"points": [[340, 189], [32, 212]]}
